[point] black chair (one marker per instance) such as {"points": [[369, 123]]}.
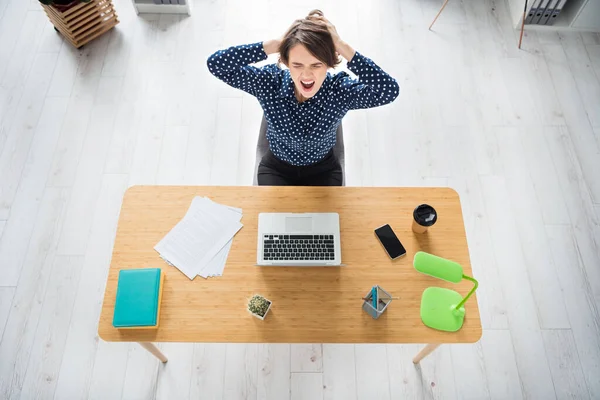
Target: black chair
{"points": [[262, 147]]}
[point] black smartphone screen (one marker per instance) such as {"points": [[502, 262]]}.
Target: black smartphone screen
{"points": [[390, 241]]}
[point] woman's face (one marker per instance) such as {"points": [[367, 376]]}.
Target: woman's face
{"points": [[308, 72]]}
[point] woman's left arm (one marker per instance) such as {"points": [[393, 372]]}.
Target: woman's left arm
{"points": [[374, 86]]}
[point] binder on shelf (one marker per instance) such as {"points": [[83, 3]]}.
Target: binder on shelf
{"points": [[540, 12], [548, 12], [532, 11], [556, 12]]}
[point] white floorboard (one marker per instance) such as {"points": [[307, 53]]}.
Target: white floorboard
{"points": [[583, 72], [241, 371], [174, 376], [171, 167], [16, 69], [73, 131], [48, 346], [583, 311], [544, 177], [501, 366], [19, 133], [521, 307], [82, 339], [515, 132], [307, 386], [274, 362], [88, 180], [433, 378], [579, 204], [225, 163], [306, 358], [529, 223], [147, 146], [339, 374], [28, 300], [19, 228], [372, 376], [436, 373], [65, 74], [563, 359], [13, 16], [6, 297], [536, 74], [140, 375], [597, 225], [208, 371], [584, 143], [470, 373], [108, 375], [122, 145]]}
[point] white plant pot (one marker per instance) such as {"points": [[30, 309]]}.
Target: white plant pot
{"points": [[266, 312]]}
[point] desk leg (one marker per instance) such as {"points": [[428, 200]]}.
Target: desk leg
{"points": [[154, 350], [425, 352]]}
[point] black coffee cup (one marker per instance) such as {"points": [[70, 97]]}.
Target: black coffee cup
{"points": [[424, 216]]}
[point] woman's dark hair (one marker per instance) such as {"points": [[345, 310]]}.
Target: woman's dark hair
{"points": [[314, 36]]}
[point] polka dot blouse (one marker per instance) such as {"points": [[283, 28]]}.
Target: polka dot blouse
{"points": [[302, 133]]}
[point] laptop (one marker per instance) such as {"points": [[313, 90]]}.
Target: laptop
{"points": [[299, 239]]}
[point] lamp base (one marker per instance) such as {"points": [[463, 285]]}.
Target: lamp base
{"points": [[438, 309]]}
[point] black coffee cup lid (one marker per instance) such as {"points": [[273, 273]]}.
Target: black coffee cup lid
{"points": [[425, 215]]}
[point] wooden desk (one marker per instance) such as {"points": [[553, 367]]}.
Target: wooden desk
{"points": [[310, 305]]}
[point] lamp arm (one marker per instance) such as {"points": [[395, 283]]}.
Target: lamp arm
{"points": [[470, 293]]}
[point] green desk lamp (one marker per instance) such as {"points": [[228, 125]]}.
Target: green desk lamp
{"points": [[442, 308]]}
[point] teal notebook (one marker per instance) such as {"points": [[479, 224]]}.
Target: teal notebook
{"points": [[138, 298]]}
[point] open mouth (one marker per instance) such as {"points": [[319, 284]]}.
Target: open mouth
{"points": [[307, 85]]}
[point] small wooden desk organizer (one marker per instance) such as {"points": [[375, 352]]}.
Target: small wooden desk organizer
{"points": [[383, 301]]}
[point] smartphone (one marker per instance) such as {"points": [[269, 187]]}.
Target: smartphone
{"points": [[390, 241]]}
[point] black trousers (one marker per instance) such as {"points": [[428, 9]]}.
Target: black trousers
{"points": [[275, 172]]}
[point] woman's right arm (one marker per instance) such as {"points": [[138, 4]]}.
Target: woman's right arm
{"points": [[232, 67]]}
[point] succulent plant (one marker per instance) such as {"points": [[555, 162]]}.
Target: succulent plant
{"points": [[258, 305]]}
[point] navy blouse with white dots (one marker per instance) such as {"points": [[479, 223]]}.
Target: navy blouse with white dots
{"points": [[302, 133]]}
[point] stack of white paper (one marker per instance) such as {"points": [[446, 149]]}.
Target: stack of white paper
{"points": [[199, 244]]}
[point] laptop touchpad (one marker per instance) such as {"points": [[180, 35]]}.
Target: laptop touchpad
{"points": [[298, 224]]}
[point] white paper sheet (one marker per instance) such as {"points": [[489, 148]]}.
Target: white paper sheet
{"points": [[204, 233], [216, 266]]}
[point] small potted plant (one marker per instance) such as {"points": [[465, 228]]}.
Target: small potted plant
{"points": [[259, 306]]}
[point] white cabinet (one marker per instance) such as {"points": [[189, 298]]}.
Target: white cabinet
{"points": [[576, 15], [588, 16]]}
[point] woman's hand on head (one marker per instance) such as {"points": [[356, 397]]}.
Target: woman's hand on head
{"points": [[330, 27], [271, 46], [341, 47]]}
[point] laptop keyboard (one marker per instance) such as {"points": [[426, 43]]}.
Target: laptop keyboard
{"points": [[298, 247]]}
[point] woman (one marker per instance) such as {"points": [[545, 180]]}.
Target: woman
{"points": [[304, 104]]}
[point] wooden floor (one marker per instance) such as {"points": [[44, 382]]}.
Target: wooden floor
{"points": [[517, 133]]}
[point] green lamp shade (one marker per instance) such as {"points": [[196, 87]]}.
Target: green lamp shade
{"points": [[438, 267]]}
